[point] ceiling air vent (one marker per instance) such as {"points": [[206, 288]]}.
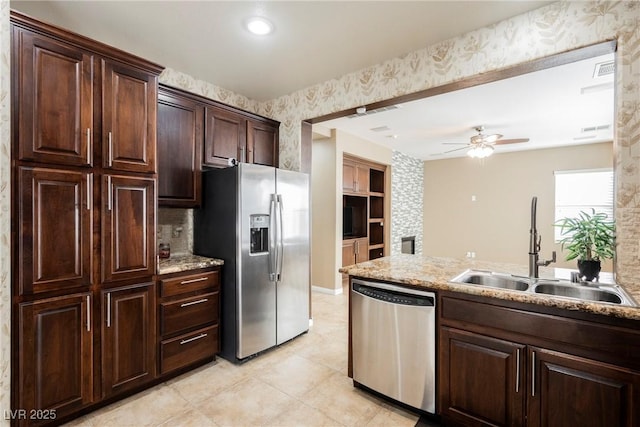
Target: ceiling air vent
{"points": [[604, 69], [594, 128], [369, 112], [380, 129]]}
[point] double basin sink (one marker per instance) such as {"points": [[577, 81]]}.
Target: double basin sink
{"points": [[583, 291]]}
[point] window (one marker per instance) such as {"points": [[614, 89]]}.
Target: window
{"points": [[582, 190]]}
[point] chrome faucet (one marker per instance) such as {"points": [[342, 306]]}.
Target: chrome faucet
{"points": [[534, 244]]}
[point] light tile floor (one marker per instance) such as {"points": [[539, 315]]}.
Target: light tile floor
{"points": [[302, 383]]}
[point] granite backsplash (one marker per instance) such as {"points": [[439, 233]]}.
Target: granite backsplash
{"points": [[175, 226]]}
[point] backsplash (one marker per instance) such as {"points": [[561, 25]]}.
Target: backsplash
{"points": [[175, 226], [406, 200]]}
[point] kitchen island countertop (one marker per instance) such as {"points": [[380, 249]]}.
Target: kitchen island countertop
{"points": [[185, 262], [436, 273]]}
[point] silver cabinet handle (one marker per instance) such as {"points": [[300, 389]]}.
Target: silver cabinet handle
{"points": [[110, 154], [109, 310], [193, 339], [88, 313], [89, 146], [200, 301], [533, 374], [109, 196], [89, 190], [518, 370], [186, 282]]}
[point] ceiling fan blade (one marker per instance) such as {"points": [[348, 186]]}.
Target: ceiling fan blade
{"points": [[455, 143], [455, 149], [488, 139], [511, 141]]}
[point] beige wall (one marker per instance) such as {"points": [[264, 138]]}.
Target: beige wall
{"points": [[326, 205], [496, 225], [323, 208]]}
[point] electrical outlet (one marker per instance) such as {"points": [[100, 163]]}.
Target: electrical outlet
{"points": [[176, 231]]}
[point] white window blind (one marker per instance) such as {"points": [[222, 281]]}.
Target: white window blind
{"points": [[582, 190]]}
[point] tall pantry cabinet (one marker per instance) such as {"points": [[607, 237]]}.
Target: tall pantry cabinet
{"points": [[83, 220]]}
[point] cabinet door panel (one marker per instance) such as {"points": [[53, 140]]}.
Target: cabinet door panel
{"points": [[128, 227], [55, 354], [349, 177], [128, 331], [481, 379], [180, 136], [129, 118], [54, 100], [262, 144], [225, 137], [571, 390], [55, 213]]}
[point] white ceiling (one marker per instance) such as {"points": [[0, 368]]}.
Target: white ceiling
{"points": [[314, 41], [547, 106]]}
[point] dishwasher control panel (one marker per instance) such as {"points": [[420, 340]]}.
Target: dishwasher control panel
{"points": [[393, 297]]}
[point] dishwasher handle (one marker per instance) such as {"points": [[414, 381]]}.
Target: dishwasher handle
{"points": [[395, 295]]}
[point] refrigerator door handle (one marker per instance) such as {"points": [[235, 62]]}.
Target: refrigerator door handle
{"points": [[280, 252], [272, 239]]}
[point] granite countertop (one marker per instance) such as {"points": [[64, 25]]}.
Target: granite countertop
{"points": [[185, 262], [435, 273]]}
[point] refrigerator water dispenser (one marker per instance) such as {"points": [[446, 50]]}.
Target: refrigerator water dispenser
{"points": [[259, 225]]}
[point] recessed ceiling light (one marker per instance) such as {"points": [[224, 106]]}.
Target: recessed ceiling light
{"points": [[259, 26]]}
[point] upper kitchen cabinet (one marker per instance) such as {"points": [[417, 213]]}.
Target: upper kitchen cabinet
{"points": [[262, 143], [235, 134], [53, 100], [129, 112], [76, 98], [180, 136], [225, 137]]}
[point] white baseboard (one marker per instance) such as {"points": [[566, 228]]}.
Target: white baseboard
{"points": [[323, 290]]}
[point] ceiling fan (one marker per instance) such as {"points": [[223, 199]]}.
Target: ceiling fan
{"points": [[481, 145]]}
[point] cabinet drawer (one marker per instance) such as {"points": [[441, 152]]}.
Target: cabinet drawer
{"points": [[194, 282], [188, 348], [188, 313]]}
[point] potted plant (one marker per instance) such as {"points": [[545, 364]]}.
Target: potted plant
{"points": [[589, 238]]}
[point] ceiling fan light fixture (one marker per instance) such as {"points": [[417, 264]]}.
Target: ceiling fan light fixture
{"points": [[480, 151]]}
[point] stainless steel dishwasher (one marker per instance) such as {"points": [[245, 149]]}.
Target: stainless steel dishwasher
{"points": [[394, 342]]}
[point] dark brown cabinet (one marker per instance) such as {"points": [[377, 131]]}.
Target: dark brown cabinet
{"points": [[55, 216], [180, 138], [485, 379], [225, 137], [83, 209], [129, 118], [570, 390], [189, 313], [262, 143], [128, 227], [128, 337], [55, 353], [53, 97], [507, 366], [232, 134]]}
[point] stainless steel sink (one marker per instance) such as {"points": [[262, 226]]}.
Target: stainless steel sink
{"points": [[578, 292], [594, 292], [493, 280], [589, 292]]}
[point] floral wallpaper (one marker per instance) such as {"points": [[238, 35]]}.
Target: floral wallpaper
{"points": [[552, 29]]}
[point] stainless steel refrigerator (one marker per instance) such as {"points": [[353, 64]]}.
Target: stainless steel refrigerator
{"points": [[256, 218]]}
